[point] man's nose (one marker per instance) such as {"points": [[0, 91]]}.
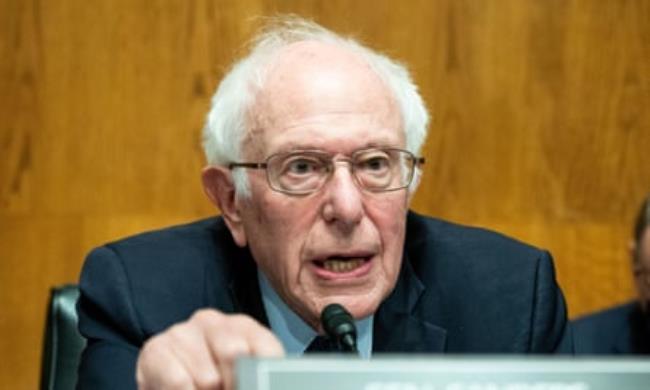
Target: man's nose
{"points": [[343, 204]]}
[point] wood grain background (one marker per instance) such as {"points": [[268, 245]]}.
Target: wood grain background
{"points": [[541, 128]]}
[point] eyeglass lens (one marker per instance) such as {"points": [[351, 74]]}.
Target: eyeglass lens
{"points": [[374, 169]]}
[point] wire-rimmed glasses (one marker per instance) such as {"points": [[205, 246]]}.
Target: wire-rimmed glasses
{"points": [[303, 172]]}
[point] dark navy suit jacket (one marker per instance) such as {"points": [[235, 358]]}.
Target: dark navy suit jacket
{"points": [[617, 330], [460, 290]]}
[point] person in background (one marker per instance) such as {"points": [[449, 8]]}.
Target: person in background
{"points": [[313, 145], [624, 329]]}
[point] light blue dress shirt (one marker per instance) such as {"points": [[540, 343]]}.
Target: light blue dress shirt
{"points": [[293, 332]]}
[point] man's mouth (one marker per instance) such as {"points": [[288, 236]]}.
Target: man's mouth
{"points": [[342, 264]]}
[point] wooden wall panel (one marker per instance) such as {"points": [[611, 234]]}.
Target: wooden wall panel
{"points": [[541, 128]]}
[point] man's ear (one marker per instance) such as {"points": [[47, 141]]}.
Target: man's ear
{"points": [[219, 187], [643, 297]]}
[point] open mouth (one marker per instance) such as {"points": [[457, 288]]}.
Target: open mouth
{"points": [[342, 264]]}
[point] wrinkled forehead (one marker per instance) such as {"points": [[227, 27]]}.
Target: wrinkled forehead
{"points": [[300, 64], [314, 79]]}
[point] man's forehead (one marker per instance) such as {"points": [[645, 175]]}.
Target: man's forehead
{"points": [[340, 146], [316, 70], [311, 85], [262, 142], [318, 53]]}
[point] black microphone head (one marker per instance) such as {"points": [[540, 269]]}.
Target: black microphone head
{"points": [[339, 325]]}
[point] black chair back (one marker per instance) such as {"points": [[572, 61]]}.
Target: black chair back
{"points": [[62, 344]]}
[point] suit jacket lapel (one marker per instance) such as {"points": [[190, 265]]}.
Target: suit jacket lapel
{"points": [[399, 326], [244, 287], [634, 337]]}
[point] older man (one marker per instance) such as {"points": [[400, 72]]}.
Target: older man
{"points": [[312, 143], [623, 329]]}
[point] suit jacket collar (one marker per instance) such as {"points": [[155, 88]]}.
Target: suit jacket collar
{"points": [[244, 288], [634, 339], [623, 339], [399, 323]]}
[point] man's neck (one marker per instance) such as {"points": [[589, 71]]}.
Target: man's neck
{"points": [[294, 333]]}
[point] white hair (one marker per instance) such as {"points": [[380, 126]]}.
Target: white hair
{"points": [[227, 121]]}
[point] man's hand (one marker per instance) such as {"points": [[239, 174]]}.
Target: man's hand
{"points": [[200, 353]]}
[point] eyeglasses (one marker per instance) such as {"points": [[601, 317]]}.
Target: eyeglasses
{"points": [[306, 171]]}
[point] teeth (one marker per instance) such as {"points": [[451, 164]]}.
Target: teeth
{"points": [[341, 266]]}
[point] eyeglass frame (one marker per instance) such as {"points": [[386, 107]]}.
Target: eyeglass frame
{"points": [[417, 161]]}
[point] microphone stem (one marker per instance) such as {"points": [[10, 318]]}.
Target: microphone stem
{"points": [[349, 343]]}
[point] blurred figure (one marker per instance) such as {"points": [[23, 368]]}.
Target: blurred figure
{"points": [[623, 329]]}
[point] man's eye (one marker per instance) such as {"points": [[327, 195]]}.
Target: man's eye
{"points": [[375, 164], [301, 166]]}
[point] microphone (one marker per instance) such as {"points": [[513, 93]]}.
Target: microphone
{"points": [[339, 326]]}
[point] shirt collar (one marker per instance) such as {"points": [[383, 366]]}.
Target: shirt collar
{"points": [[293, 332]]}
